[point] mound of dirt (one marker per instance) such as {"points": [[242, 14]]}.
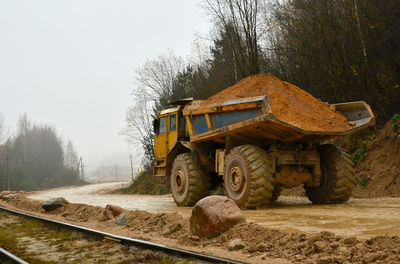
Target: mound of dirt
{"points": [[323, 247], [288, 103], [381, 165], [260, 243]]}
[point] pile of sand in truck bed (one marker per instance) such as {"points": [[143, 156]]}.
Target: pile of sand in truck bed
{"points": [[288, 103]]}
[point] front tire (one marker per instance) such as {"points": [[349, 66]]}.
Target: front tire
{"points": [[337, 177], [189, 182], [249, 176]]}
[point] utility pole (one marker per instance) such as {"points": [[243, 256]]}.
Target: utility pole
{"points": [[130, 156], [78, 171], [116, 173], [82, 171], [8, 173]]}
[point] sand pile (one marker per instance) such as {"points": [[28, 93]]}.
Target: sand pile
{"points": [[381, 165], [288, 103], [322, 247]]}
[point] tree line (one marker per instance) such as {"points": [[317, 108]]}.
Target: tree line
{"points": [[338, 50], [36, 158]]}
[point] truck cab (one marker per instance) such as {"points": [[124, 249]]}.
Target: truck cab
{"points": [[169, 128]]}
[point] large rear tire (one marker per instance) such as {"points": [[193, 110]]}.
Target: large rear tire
{"points": [[189, 182], [249, 176], [337, 177]]}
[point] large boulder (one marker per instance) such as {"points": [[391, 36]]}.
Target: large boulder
{"points": [[111, 212], [54, 203], [107, 215], [213, 215], [115, 210]]}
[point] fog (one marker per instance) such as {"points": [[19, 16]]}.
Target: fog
{"points": [[71, 64]]}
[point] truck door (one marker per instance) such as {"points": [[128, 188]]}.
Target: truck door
{"points": [[160, 141], [172, 133]]}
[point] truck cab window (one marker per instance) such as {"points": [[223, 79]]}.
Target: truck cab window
{"points": [[182, 125], [172, 123], [156, 126], [163, 125]]}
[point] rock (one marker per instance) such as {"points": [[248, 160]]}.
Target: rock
{"points": [[5, 193], [172, 229], [213, 215], [115, 210], [374, 257], [121, 220], [124, 219], [343, 250], [236, 244], [350, 240], [10, 196], [107, 215], [319, 246], [334, 245], [257, 248], [54, 203]]}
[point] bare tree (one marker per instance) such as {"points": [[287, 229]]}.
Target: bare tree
{"points": [[139, 121], [240, 19], [2, 128], [200, 53], [155, 77], [155, 87], [70, 156], [23, 127]]}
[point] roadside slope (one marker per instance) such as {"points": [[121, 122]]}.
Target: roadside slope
{"points": [[381, 165]]}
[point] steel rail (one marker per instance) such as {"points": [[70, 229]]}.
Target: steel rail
{"points": [[12, 257], [131, 241]]}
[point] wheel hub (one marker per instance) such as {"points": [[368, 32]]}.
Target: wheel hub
{"points": [[236, 179], [180, 180]]}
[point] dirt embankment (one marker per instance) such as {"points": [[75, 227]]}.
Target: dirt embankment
{"points": [[261, 243], [288, 103], [381, 166], [146, 183]]}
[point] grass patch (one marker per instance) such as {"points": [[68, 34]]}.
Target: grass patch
{"points": [[364, 182], [395, 123]]}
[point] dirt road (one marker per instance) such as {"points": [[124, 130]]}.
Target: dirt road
{"points": [[360, 217]]}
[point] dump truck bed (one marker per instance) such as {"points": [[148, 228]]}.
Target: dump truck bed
{"points": [[251, 120]]}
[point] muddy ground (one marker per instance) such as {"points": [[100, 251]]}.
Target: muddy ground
{"points": [[294, 238], [362, 218]]}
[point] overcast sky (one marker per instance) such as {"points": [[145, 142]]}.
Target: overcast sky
{"points": [[70, 63]]}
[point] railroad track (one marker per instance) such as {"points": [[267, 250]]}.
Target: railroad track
{"points": [[5, 255], [123, 240]]}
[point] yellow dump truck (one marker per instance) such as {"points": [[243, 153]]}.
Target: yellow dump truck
{"points": [[241, 145]]}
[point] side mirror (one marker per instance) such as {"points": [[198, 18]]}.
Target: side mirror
{"points": [[156, 126]]}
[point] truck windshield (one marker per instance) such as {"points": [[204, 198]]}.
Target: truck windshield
{"points": [[163, 125]]}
